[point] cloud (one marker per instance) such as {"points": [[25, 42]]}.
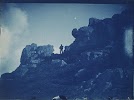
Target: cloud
{"points": [[5, 39], [15, 19], [14, 24]]}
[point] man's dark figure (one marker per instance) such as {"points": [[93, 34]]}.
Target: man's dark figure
{"points": [[61, 49]]}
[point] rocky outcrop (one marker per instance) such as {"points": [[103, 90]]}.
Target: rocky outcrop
{"points": [[33, 54], [100, 33], [94, 65]]}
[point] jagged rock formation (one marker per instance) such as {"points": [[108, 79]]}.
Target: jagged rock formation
{"points": [[31, 53], [94, 65], [100, 33]]}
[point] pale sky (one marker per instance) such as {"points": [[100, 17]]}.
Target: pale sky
{"points": [[42, 23]]}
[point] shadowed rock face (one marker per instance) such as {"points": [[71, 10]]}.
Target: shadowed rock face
{"points": [[100, 33], [94, 65]]}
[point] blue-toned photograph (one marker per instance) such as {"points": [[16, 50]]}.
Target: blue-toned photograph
{"points": [[58, 51]]}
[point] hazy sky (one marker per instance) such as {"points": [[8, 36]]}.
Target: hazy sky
{"points": [[41, 23]]}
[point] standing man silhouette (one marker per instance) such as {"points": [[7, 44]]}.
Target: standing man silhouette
{"points": [[61, 49]]}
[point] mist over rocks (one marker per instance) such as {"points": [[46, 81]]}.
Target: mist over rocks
{"points": [[95, 65]]}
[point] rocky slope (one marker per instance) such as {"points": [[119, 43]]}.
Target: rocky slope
{"points": [[95, 65]]}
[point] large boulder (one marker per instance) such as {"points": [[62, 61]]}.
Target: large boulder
{"points": [[74, 33], [34, 54], [82, 32], [93, 21]]}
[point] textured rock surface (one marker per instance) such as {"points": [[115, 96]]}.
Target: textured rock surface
{"points": [[32, 53]]}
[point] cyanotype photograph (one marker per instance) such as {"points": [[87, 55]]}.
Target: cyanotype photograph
{"points": [[66, 51]]}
